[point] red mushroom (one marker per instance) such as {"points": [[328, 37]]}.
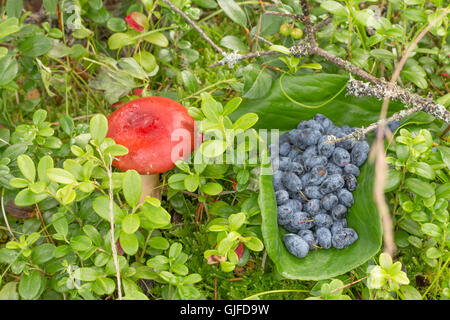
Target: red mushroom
{"points": [[157, 132]]}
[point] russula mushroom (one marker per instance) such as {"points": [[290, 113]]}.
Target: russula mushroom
{"points": [[157, 131]]}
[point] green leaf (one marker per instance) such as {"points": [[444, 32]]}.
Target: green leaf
{"points": [[445, 154], [106, 285], [101, 207], [81, 243], [213, 148], [233, 11], [9, 291], [159, 243], [60, 176], [14, 8], [253, 243], [30, 285], [9, 67], [212, 188], [192, 278], [191, 182], [394, 177], [26, 166], [431, 230], [42, 253], [129, 243], [236, 220], [157, 38], [85, 274], [35, 46], [257, 81], [189, 81], [154, 217], [9, 26], [233, 43], [335, 8], [67, 124], [27, 198], [231, 105], [132, 187], [116, 24], [146, 60], [119, 40], [410, 293], [422, 169], [245, 122], [131, 223], [323, 264], [99, 128], [422, 188], [175, 250], [293, 98], [210, 108]]}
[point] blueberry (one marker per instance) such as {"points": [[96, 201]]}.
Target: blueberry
{"points": [[339, 212], [329, 201], [284, 213], [332, 182], [313, 207], [344, 237], [347, 144], [296, 245], [351, 169], [297, 195], [324, 121], [318, 175], [300, 221], [345, 197], [309, 136], [291, 181], [283, 138], [293, 153], [284, 149], [338, 224], [311, 124], [308, 236], [277, 184], [309, 152], [312, 192], [394, 125], [295, 140], [296, 205], [315, 161], [306, 177], [281, 196], [284, 163], [350, 182], [335, 131], [341, 157], [333, 169], [296, 168], [346, 129], [325, 149], [323, 238], [360, 152], [323, 220]]}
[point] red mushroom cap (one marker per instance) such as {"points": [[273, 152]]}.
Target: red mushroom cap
{"points": [[157, 132]]}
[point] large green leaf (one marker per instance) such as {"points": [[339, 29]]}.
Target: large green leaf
{"points": [[298, 97], [323, 264], [277, 111]]}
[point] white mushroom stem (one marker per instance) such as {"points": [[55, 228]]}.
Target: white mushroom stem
{"points": [[150, 184]]}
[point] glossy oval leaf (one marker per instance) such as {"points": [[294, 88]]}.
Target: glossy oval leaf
{"points": [[299, 97], [323, 264]]}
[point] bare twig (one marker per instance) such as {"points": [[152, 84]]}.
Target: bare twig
{"points": [[4, 216], [289, 15], [111, 220], [196, 27]]}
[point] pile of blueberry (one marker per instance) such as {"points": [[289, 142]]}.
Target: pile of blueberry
{"points": [[313, 184]]}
